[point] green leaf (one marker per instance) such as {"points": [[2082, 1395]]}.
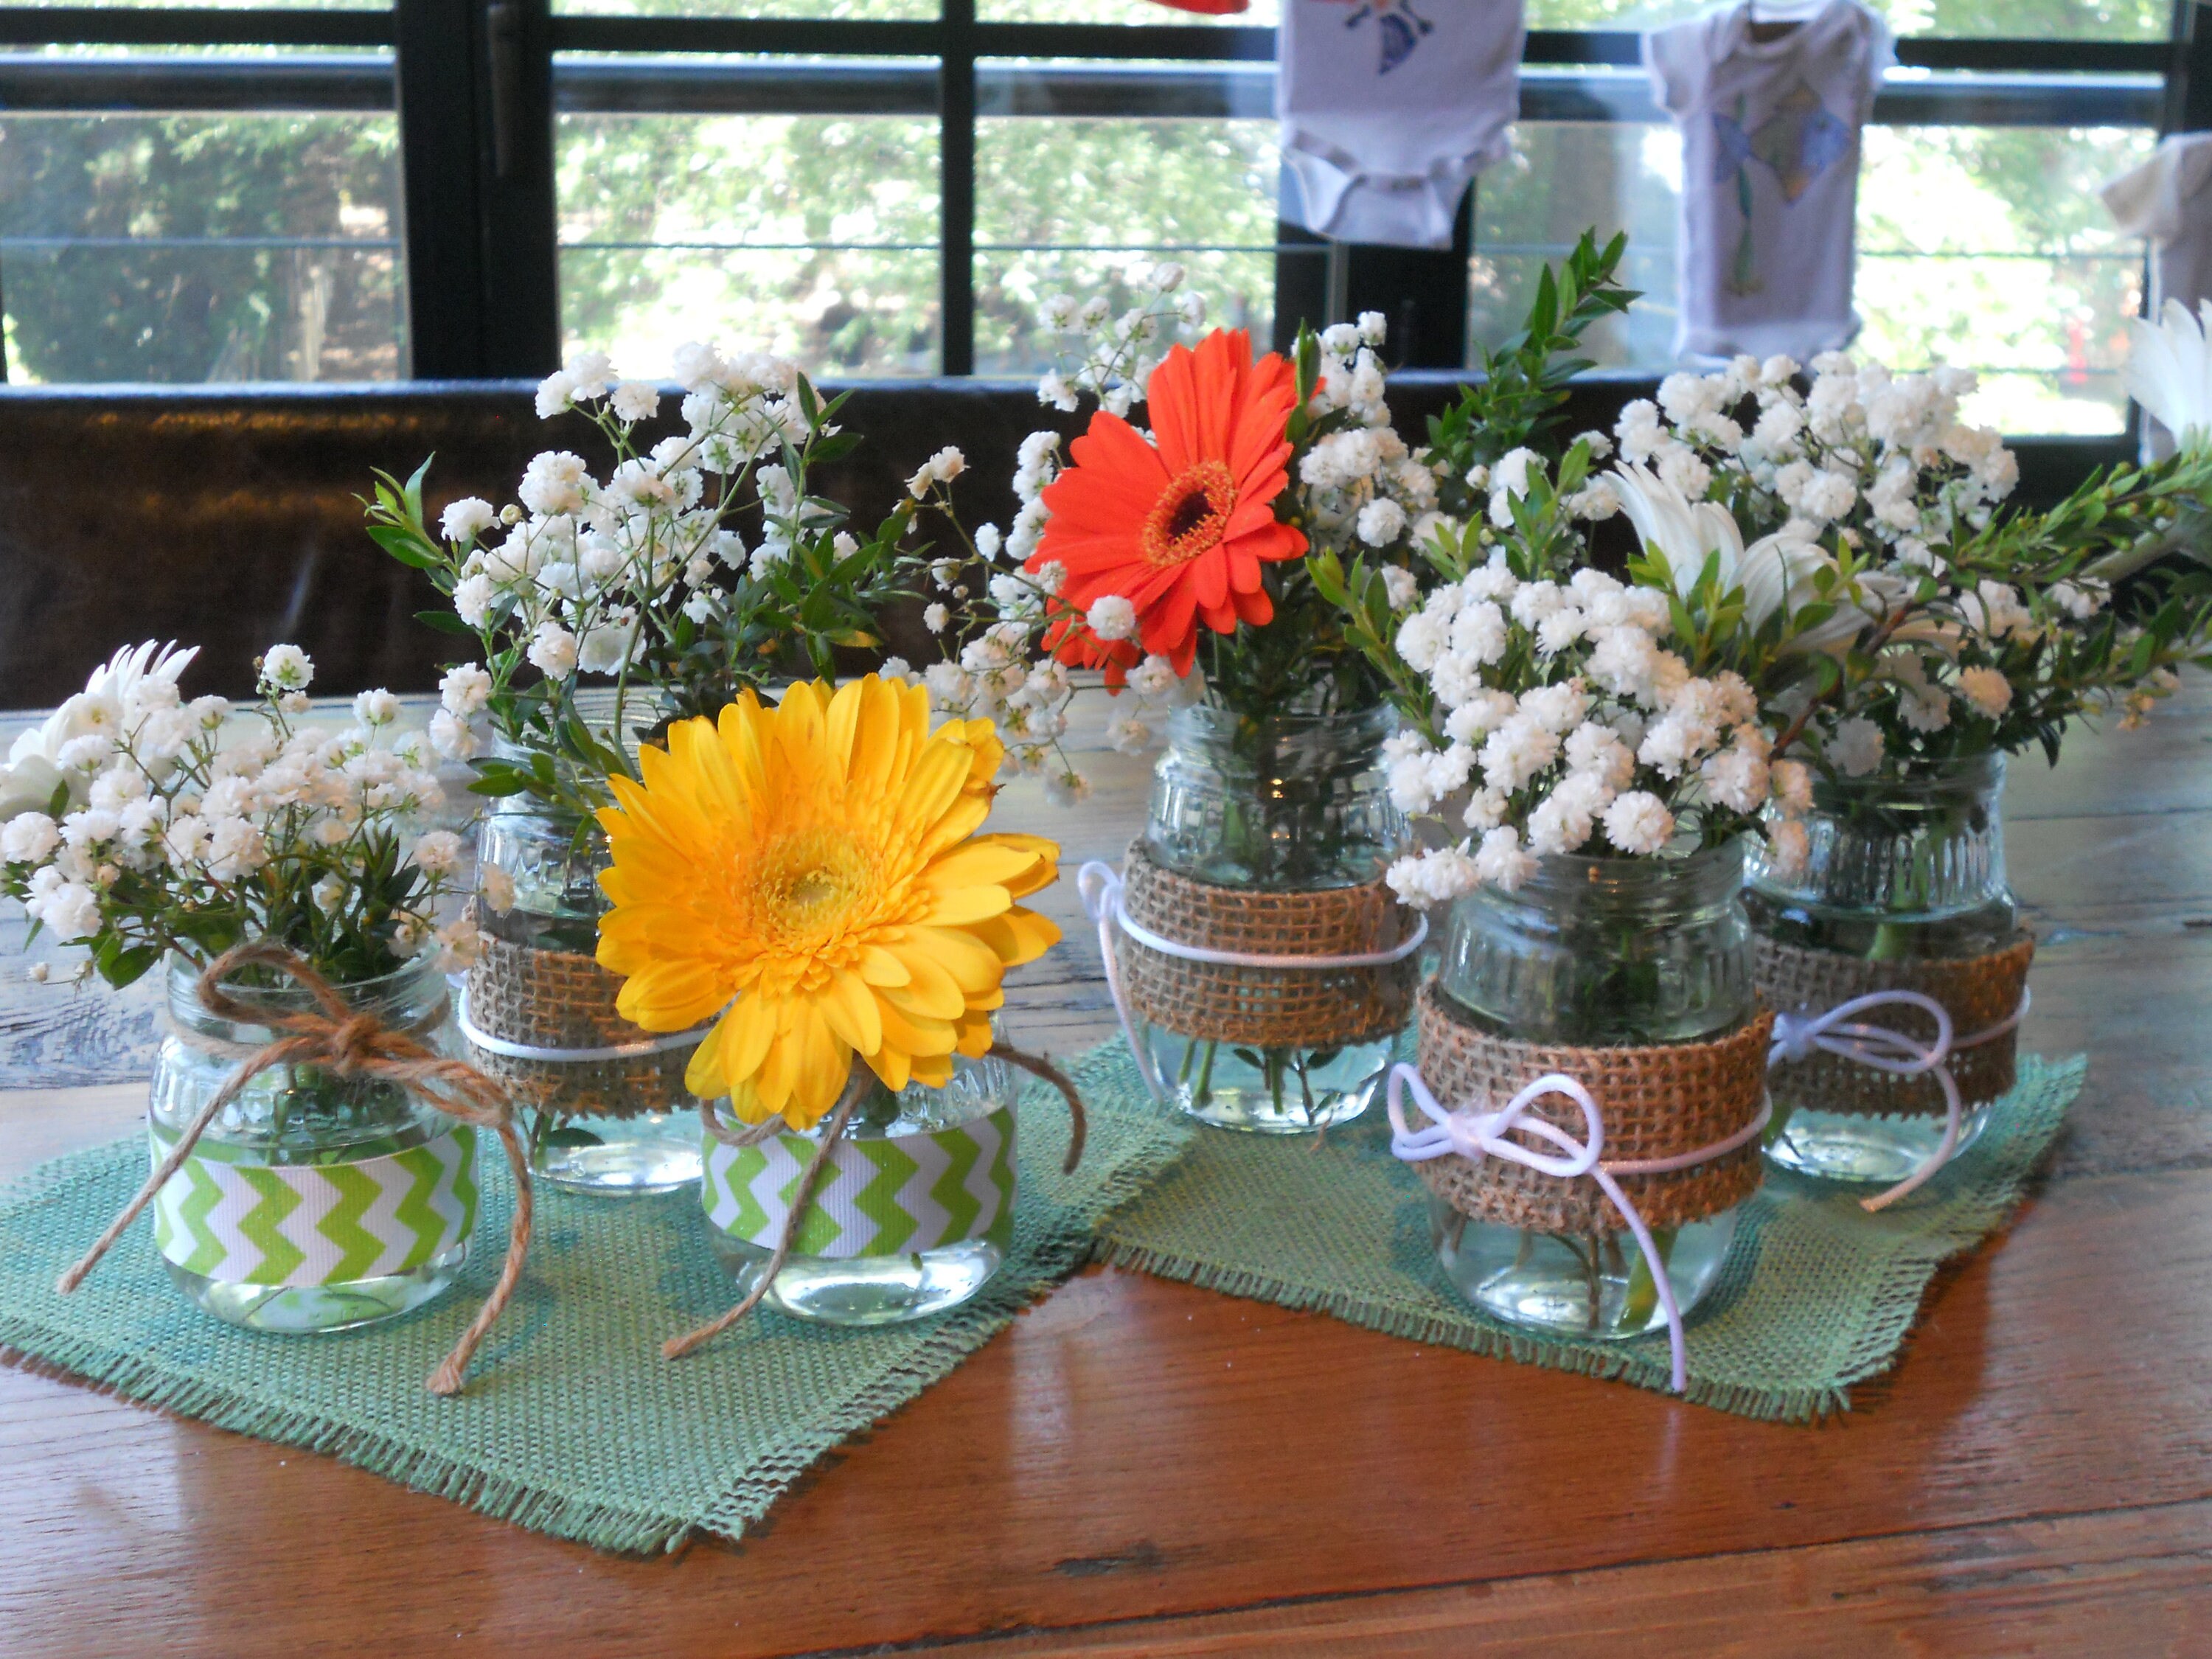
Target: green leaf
{"points": [[445, 622], [405, 545]]}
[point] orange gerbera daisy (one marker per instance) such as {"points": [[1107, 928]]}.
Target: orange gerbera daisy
{"points": [[1180, 526]]}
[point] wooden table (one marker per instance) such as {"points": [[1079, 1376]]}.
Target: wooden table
{"points": [[1140, 1468]]}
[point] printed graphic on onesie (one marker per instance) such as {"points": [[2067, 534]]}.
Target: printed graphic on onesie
{"points": [[1770, 176], [1389, 107]]}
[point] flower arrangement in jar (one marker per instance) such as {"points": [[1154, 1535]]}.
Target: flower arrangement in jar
{"points": [[1977, 630], [1590, 753], [173, 834], [1261, 965], [700, 566], [810, 880]]}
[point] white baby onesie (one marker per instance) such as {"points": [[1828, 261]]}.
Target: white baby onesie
{"points": [[1770, 174], [1390, 106], [2169, 199]]}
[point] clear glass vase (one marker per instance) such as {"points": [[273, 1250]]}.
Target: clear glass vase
{"points": [[912, 1216], [311, 1202], [1902, 870], [1295, 802], [615, 1124], [1595, 953]]}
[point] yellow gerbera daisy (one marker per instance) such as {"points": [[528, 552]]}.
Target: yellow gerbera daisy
{"points": [[811, 871]]}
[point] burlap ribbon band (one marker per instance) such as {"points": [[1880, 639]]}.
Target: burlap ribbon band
{"points": [[1978, 993], [559, 999], [1657, 1102], [1288, 1007]]}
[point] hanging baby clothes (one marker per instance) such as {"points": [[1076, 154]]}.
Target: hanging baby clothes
{"points": [[1770, 172], [1389, 107], [2169, 199]]}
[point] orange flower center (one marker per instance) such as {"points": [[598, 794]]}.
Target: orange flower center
{"points": [[1190, 516]]}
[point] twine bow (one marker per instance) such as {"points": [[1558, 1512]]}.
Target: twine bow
{"points": [[1100, 886], [351, 1045], [1799, 1037], [856, 1090]]}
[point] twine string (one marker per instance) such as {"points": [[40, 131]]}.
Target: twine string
{"points": [[856, 1089], [1100, 886], [349, 1044], [1474, 1134], [1840, 1032]]}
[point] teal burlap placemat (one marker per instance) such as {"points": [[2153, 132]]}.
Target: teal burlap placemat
{"points": [[1816, 1294], [571, 1424]]}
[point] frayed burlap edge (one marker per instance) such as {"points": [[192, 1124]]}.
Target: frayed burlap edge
{"points": [[562, 1000], [1656, 1102], [1976, 991], [1263, 1008]]}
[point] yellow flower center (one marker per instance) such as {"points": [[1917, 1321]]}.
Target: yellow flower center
{"points": [[805, 883]]}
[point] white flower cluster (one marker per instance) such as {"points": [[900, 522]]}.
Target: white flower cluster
{"points": [[1003, 674], [162, 814], [1118, 350], [1360, 484], [1570, 728], [1879, 467], [1884, 458], [581, 571]]}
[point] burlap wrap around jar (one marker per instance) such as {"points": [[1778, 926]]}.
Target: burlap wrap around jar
{"points": [[1979, 992], [1289, 1007], [1656, 1102], [545, 998]]}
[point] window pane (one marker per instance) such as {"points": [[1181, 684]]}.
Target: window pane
{"points": [[904, 11], [2035, 20], [815, 236], [1989, 247], [196, 247], [1563, 178], [1986, 247], [1068, 205], [1264, 14], [216, 5]]}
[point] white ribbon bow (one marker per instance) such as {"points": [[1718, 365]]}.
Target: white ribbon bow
{"points": [[1476, 1135], [1099, 884], [1798, 1036]]}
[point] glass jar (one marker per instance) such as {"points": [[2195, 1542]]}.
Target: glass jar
{"points": [[912, 1215], [311, 1202], [613, 1124], [1295, 803], [1898, 869], [1595, 953]]}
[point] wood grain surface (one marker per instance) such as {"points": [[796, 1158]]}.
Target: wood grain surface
{"points": [[1140, 1468]]}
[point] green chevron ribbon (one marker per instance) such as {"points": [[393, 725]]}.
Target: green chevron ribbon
{"points": [[225, 1217], [892, 1195]]}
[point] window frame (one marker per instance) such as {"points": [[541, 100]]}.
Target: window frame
{"points": [[476, 88]]}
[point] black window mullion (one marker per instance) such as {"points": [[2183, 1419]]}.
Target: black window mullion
{"points": [[2189, 70], [956, 171], [440, 200], [521, 263], [476, 115]]}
